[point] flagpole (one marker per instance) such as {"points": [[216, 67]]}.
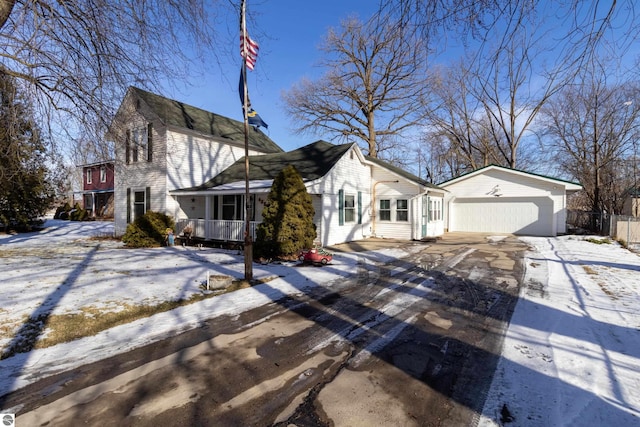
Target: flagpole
{"points": [[248, 245]]}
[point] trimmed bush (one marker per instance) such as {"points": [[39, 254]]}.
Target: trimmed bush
{"points": [[78, 213], [62, 212], [148, 231]]}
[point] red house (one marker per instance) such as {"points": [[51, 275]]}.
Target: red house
{"points": [[97, 189]]}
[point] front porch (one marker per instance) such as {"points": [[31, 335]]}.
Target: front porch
{"points": [[216, 230]]}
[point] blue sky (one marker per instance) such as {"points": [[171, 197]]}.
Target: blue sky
{"points": [[288, 32]]}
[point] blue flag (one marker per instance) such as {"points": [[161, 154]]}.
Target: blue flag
{"points": [[255, 120], [252, 116]]}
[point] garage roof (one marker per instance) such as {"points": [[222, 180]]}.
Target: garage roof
{"points": [[570, 187]]}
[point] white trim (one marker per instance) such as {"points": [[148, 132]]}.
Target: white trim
{"points": [[570, 187]]}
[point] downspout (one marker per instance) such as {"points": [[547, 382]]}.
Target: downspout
{"points": [[373, 206]]}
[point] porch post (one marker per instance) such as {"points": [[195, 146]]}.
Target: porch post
{"points": [[207, 216]]}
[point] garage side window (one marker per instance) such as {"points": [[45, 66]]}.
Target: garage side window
{"points": [[385, 210], [402, 210], [435, 209]]}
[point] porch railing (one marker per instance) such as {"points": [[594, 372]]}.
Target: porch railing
{"points": [[215, 229]]}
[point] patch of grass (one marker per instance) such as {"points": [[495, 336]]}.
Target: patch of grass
{"points": [[604, 241], [590, 270], [607, 291], [61, 328]]}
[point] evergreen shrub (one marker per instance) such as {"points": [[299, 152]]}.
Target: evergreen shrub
{"points": [[148, 230], [287, 219]]}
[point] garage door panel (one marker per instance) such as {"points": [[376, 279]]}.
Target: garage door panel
{"points": [[530, 216]]}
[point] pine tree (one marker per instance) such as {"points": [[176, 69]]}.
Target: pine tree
{"points": [[26, 191], [287, 219]]}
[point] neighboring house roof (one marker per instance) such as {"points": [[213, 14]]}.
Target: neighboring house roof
{"points": [[569, 186], [105, 163], [180, 115], [633, 192], [312, 162]]}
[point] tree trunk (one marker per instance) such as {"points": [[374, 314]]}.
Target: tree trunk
{"points": [[6, 6]]}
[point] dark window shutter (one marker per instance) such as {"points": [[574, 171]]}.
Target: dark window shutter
{"points": [[128, 205], [340, 207], [127, 147], [359, 207], [147, 199], [149, 142]]}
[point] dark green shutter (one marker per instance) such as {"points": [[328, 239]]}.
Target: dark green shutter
{"points": [[147, 199], [127, 147], [340, 207], [128, 205], [359, 207], [149, 142]]}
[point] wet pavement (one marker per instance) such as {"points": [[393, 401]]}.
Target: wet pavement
{"points": [[411, 342]]}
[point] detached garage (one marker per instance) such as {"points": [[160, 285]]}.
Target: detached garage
{"points": [[495, 199]]}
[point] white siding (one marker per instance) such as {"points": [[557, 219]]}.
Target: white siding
{"points": [[138, 175], [389, 186], [193, 159], [180, 159], [351, 175]]}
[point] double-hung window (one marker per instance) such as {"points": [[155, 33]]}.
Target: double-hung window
{"points": [[435, 209], [385, 210], [139, 203], [402, 210], [349, 208], [139, 144]]}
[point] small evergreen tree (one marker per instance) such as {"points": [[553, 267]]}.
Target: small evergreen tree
{"points": [[26, 188], [287, 219]]}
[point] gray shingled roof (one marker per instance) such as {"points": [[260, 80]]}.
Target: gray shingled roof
{"points": [[403, 173], [180, 115], [312, 161]]}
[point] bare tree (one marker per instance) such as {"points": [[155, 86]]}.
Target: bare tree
{"points": [[582, 25], [594, 125], [372, 88], [456, 121], [77, 57], [520, 53]]}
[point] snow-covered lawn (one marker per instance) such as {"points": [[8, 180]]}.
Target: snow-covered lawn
{"points": [[571, 355], [62, 270]]}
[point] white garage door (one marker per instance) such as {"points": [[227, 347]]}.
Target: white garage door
{"points": [[528, 216]]}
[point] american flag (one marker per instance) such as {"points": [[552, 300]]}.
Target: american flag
{"points": [[248, 50], [248, 47]]}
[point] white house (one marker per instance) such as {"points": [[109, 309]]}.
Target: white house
{"points": [[189, 163], [162, 145], [502, 200], [354, 196]]}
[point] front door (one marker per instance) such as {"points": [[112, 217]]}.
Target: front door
{"points": [[425, 215]]}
